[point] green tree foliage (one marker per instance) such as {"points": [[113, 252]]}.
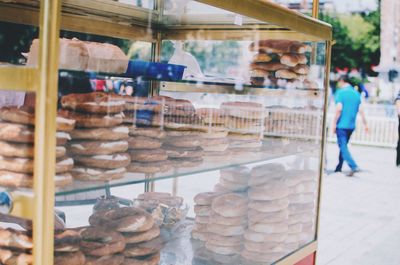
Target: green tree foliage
{"points": [[357, 39]]}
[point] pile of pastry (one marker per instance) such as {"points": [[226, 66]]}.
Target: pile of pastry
{"points": [[279, 60], [85, 56], [258, 216], [297, 121], [17, 147], [99, 142], [119, 236]]}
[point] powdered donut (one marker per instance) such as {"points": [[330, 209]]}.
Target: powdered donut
{"points": [[230, 205], [153, 259], [97, 174], [273, 217], [205, 198], [110, 134], [149, 167], [236, 174], [97, 147], [201, 210], [143, 249], [116, 259], [95, 102], [269, 206], [219, 219], [143, 142], [76, 258], [112, 161], [95, 120], [261, 237], [226, 230], [263, 247], [223, 250], [147, 132], [16, 132], [100, 242], [177, 152], [138, 237], [227, 241], [151, 155]]}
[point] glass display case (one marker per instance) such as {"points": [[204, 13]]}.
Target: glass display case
{"points": [[160, 132]]}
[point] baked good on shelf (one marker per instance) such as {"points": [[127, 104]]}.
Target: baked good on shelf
{"points": [[64, 124], [67, 241], [143, 142], [262, 58], [239, 174], [243, 110], [148, 155], [106, 57], [125, 219], [230, 205], [15, 180], [20, 115], [270, 228], [202, 210], [138, 237], [16, 132], [68, 258], [116, 160], [141, 104], [266, 257], [293, 59], [205, 198], [202, 219], [301, 69], [97, 174], [279, 46], [147, 132], [223, 250], [116, 259], [267, 67], [216, 218], [214, 144], [84, 120], [176, 107], [15, 257], [199, 235], [226, 230], [94, 102], [11, 238], [177, 152], [25, 165], [101, 242], [153, 259], [144, 249], [228, 241], [110, 134], [269, 206], [255, 216], [232, 185], [286, 74], [186, 162], [62, 138], [149, 167], [82, 147], [73, 54], [253, 236], [211, 116]]}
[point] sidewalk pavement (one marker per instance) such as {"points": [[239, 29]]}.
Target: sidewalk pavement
{"points": [[360, 216]]}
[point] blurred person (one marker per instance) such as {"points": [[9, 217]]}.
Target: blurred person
{"points": [[348, 102], [398, 142]]}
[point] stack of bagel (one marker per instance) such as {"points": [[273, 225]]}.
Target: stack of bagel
{"points": [[302, 206], [67, 248], [120, 236], [17, 147], [234, 179], [245, 122], [145, 150], [278, 59], [142, 111], [202, 209], [214, 139], [99, 141], [268, 214]]}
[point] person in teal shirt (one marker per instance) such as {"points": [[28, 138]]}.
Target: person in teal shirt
{"points": [[348, 102]]}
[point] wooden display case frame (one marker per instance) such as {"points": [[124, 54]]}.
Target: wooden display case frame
{"points": [[129, 22]]}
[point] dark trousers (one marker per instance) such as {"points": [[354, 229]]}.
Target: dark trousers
{"points": [[398, 147], [343, 138]]}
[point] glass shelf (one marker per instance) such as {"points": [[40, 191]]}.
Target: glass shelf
{"points": [[272, 148]]}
